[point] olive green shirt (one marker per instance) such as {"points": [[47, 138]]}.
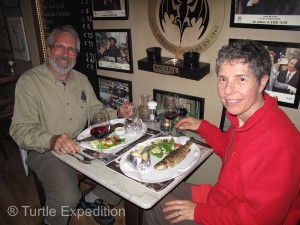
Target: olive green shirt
{"points": [[45, 106]]}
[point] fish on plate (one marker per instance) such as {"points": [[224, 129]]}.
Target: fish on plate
{"points": [[175, 157]]}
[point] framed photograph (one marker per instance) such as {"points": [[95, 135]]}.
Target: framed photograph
{"points": [[11, 3], [110, 9], [18, 38], [114, 50], [265, 14], [113, 92], [193, 105], [284, 82], [225, 122]]}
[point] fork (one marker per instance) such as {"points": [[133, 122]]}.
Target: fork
{"points": [[84, 157], [81, 160]]}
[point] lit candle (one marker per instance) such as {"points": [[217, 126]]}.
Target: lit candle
{"points": [[167, 123]]}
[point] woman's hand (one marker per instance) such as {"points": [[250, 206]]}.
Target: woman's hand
{"points": [[63, 144], [180, 210], [190, 123]]}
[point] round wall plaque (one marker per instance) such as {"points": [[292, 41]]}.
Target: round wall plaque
{"points": [[181, 26]]}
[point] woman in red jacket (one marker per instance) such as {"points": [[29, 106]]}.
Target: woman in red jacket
{"points": [[259, 181]]}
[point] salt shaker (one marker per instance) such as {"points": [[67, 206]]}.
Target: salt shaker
{"points": [[152, 107]]}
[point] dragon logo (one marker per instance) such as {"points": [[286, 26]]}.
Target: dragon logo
{"points": [[185, 13]]}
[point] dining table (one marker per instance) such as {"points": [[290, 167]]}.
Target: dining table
{"points": [[137, 195]]}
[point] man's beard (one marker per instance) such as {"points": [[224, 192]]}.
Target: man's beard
{"points": [[61, 69]]}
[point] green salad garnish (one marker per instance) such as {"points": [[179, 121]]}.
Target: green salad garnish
{"points": [[108, 142], [161, 147]]}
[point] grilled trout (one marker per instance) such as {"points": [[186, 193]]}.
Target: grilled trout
{"points": [[175, 157]]}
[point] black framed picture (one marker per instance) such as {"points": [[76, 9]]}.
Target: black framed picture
{"points": [[110, 9], [114, 50], [225, 122], [193, 105], [284, 82], [114, 92], [265, 14]]}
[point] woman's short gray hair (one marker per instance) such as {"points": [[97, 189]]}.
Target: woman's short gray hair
{"points": [[250, 52], [67, 28]]}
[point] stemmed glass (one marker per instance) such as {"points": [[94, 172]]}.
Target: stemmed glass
{"points": [[99, 123], [170, 108]]}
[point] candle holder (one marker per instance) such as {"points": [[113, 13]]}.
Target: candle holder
{"points": [[164, 123]]}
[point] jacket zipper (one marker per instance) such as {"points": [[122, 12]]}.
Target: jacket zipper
{"points": [[227, 149]]}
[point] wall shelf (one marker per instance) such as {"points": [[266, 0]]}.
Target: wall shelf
{"points": [[179, 70]]}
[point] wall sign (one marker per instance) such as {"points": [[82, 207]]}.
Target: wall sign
{"points": [[181, 26], [18, 38]]}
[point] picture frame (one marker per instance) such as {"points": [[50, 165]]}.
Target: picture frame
{"points": [[18, 38], [113, 92], [225, 122], [287, 96], [11, 3], [110, 9], [118, 58], [194, 105], [267, 14]]}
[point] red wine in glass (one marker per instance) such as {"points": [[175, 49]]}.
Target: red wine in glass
{"points": [[100, 125], [99, 132], [171, 115]]}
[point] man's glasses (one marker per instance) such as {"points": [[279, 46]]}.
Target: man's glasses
{"points": [[60, 49]]}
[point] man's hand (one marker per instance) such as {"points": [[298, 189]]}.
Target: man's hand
{"points": [[125, 110], [63, 144], [181, 210]]}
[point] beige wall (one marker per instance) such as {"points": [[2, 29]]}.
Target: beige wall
{"points": [[143, 81]]}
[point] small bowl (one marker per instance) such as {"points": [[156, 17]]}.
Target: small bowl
{"points": [[120, 131]]}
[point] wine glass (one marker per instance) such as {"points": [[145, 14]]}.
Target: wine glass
{"points": [[99, 122], [170, 108]]}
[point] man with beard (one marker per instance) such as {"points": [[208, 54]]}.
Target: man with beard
{"points": [[51, 105]]}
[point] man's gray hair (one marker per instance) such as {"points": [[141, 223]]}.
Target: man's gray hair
{"points": [[67, 28]]}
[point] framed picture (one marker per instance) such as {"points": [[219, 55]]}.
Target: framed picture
{"points": [[193, 105], [265, 14], [11, 3], [113, 92], [114, 50], [110, 9], [225, 122], [286, 90], [18, 38]]}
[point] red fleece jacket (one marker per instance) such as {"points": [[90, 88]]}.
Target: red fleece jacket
{"points": [[259, 181]]}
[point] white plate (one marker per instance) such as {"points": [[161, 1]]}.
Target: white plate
{"points": [[152, 175], [129, 138]]}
